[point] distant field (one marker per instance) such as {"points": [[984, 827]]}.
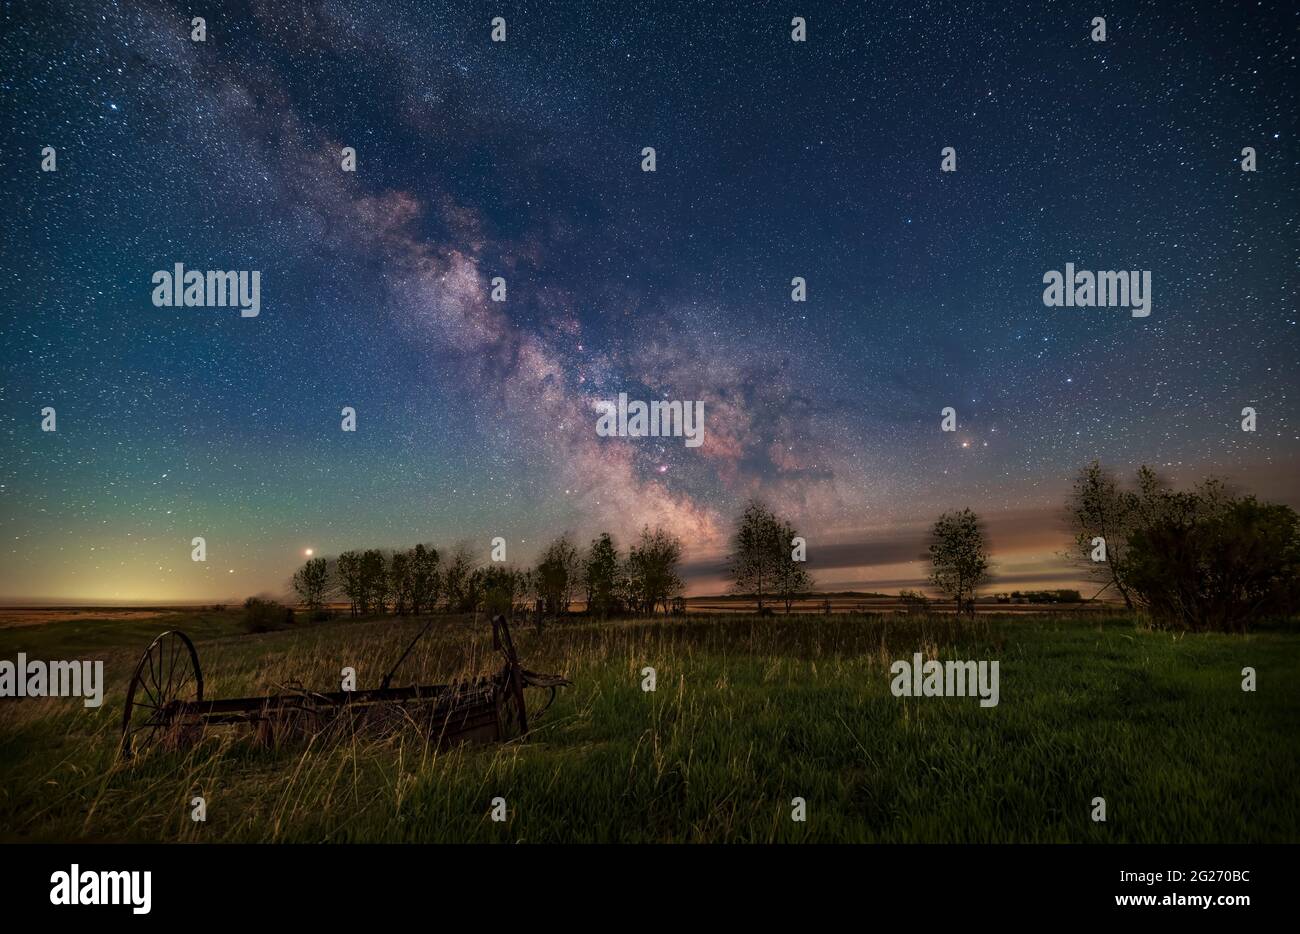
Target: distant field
{"points": [[876, 604], [12, 617], [748, 714]]}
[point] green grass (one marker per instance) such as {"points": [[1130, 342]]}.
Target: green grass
{"points": [[748, 714]]}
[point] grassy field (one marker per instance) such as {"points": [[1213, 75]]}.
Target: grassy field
{"points": [[748, 714]]}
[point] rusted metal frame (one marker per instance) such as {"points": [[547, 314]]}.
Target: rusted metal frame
{"points": [[435, 692]]}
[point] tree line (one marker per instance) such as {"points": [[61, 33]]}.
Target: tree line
{"points": [[1207, 558], [424, 579], [765, 561]]}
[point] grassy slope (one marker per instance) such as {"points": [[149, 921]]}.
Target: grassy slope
{"points": [[748, 714]]}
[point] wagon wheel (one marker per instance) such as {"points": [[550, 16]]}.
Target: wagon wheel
{"points": [[167, 675]]}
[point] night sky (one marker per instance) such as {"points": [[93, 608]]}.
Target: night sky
{"points": [[522, 159]]}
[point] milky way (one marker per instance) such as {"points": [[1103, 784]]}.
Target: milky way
{"points": [[522, 160]]}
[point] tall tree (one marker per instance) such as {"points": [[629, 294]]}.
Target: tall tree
{"points": [[1097, 507], [310, 582], [456, 573], [959, 557], [757, 552], [498, 585], [792, 578], [423, 562], [348, 570], [374, 581], [652, 570], [399, 582], [557, 574], [525, 590], [600, 576]]}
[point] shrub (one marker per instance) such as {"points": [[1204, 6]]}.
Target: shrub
{"points": [[914, 601], [1217, 563], [262, 615]]}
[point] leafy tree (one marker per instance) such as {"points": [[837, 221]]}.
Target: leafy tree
{"points": [[496, 586], [651, 570], [1097, 507], [525, 590], [627, 590], [456, 583], [558, 573], [374, 581], [472, 594], [757, 552], [600, 576], [1209, 560], [423, 564], [311, 581], [348, 571], [959, 557], [399, 582], [792, 578]]}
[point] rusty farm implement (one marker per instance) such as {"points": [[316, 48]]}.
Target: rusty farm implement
{"points": [[165, 703]]}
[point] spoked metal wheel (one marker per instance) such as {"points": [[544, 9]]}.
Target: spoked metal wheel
{"points": [[166, 676]]}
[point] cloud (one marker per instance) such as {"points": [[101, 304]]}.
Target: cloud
{"points": [[1028, 546]]}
